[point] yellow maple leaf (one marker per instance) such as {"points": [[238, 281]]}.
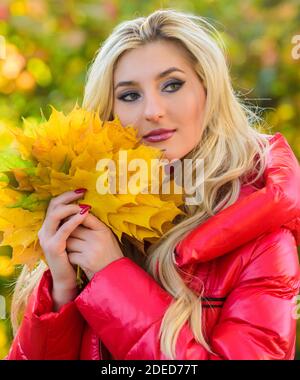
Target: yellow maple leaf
{"points": [[62, 154]]}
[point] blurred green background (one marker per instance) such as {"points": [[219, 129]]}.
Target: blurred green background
{"points": [[50, 44]]}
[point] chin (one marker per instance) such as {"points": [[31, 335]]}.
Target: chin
{"points": [[169, 155]]}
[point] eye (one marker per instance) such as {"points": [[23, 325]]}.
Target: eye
{"points": [[177, 83], [125, 95]]}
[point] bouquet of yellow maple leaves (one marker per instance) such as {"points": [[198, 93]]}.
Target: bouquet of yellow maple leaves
{"points": [[61, 154]]}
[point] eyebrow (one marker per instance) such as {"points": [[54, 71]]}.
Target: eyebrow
{"points": [[159, 76]]}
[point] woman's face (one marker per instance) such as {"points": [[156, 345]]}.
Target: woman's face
{"points": [[152, 101]]}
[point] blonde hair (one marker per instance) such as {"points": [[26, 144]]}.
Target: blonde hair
{"points": [[232, 146]]}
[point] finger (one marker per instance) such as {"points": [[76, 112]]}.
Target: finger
{"points": [[74, 245], [75, 258], [53, 220], [66, 197], [80, 233], [93, 223], [67, 228], [64, 220]]}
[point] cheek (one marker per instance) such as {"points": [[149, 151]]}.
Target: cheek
{"points": [[127, 116], [190, 115]]}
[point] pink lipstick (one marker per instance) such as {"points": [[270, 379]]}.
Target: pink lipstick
{"points": [[159, 135]]}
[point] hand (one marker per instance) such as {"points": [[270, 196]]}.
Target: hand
{"points": [[92, 246], [53, 238]]}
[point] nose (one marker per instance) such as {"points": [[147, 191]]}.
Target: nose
{"points": [[154, 109]]}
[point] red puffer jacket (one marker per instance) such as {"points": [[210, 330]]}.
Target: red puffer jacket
{"points": [[246, 256]]}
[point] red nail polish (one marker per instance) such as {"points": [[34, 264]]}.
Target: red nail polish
{"points": [[80, 191], [84, 208]]}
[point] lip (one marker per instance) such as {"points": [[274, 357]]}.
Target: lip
{"points": [[159, 135]]}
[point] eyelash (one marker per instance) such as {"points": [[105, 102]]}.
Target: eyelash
{"points": [[180, 83]]}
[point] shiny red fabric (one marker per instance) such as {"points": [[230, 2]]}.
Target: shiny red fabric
{"points": [[246, 258]]}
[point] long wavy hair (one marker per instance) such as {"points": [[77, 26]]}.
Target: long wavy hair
{"points": [[233, 147]]}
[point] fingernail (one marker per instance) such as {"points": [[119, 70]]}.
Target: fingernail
{"points": [[84, 208], [80, 191]]}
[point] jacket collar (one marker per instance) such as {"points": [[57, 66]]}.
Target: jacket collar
{"points": [[255, 212]]}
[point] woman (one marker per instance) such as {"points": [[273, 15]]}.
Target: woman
{"points": [[221, 283]]}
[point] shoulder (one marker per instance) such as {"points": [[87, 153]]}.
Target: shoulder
{"points": [[273, 254]]}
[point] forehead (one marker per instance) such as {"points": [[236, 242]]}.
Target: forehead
{"points": [[151, 58]]}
